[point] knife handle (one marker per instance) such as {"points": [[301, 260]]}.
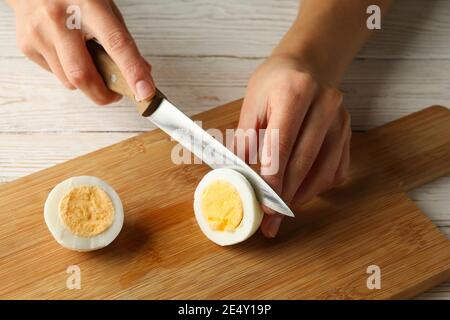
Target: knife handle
{"points": [[113, 77]]}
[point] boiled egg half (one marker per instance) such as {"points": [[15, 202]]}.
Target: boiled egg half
{"points": [[226, 207], [83, 213]]}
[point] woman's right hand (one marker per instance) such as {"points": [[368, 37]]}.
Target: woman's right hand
{"points": [[45, 38]]}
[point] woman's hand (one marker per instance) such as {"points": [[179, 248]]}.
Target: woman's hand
{"points": [[314, 132], [293, 91], [44, 38]]}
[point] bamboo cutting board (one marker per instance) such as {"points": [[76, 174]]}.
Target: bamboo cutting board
{"points": [[161, 253]]}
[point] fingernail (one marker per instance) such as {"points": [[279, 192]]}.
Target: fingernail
{"points": [[144, 90], [273, 226]]}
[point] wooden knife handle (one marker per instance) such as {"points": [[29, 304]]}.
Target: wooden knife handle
{"points": [[114, 79]]}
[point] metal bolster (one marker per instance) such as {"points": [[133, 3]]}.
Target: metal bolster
{"points": [[156, 101]]}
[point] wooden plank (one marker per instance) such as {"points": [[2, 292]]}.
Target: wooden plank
{"points": [[413, 29], [23, 154], [440, 292], [375, 93], [323, 253]]}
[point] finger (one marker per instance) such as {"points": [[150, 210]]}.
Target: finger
{"points": [[39, 60], [41, 50], [117, 41], [245, 142], [342, 172], [79, 68], [271, 224], [286, 122], [149, 67], [310, 140], [321, 176], [31, 43], [117, 12], [54, 64], [286, 113]]}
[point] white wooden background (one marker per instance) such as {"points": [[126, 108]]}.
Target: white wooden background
{"points": [[203, 52]]}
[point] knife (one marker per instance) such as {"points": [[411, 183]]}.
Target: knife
{"points": [[160, 111]]}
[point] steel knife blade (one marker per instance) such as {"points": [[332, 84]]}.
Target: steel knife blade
{"points": [[194, 138]]}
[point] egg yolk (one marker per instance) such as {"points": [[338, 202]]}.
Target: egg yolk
{"points": [[86, 211], [221, 206]]}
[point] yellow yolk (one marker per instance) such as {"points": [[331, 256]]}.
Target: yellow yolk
{"points": [[221, 206], [86, 211]]}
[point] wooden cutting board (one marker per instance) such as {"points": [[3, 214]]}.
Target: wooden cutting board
{"points": [[161, 253]]}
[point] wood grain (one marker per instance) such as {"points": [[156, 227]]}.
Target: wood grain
{"points": [[203, 52], [161, 252], [20, 158], [375, 92], [251, 28]]}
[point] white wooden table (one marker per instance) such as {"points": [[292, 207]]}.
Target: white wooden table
{"points": [[203, 52]]}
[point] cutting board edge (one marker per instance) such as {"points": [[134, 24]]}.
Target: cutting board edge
{"points": [[419, 288]]}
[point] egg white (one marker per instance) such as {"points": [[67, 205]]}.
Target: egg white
{"points": [[62, 235], [252, 213]]}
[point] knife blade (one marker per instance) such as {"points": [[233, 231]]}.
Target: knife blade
{"points": [[160, 111], [194, 138]]}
